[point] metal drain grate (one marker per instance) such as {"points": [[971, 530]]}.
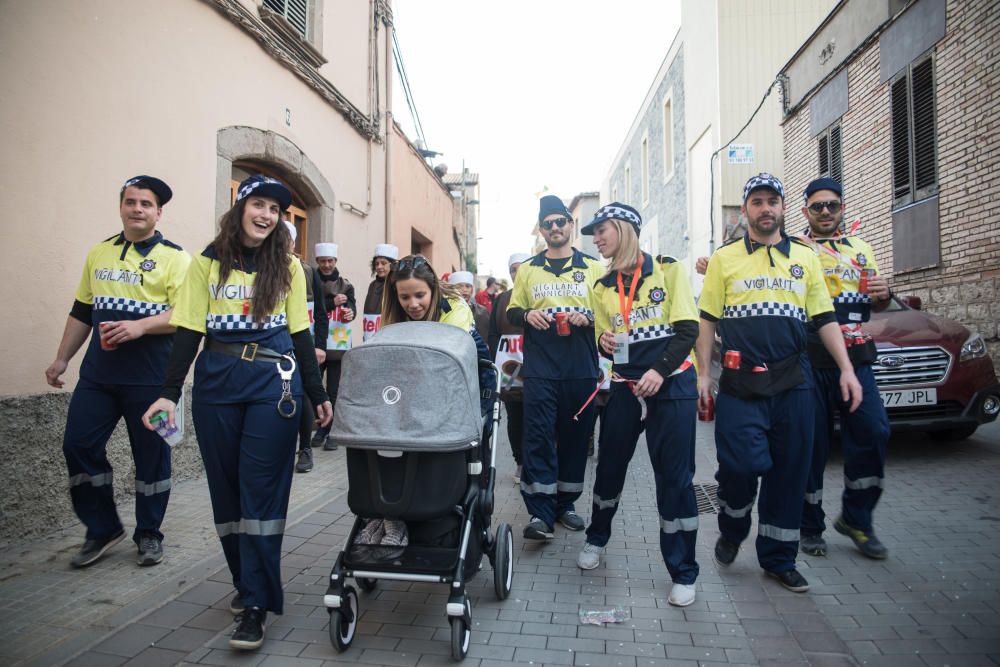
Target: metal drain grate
{"points": [[707, 498]]}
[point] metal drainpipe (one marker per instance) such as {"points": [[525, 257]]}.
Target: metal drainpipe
{"points": [[388, 138]]}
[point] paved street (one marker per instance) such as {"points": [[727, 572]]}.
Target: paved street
{"points": [[935, 602]]}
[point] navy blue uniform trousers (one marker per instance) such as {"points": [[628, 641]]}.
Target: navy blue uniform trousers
{"points": [[94, 411], [863, 437], [670, 439], [772, 439], [249, 453], [552, 476]]}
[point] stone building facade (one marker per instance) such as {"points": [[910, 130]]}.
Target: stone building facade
{"points": [[940, 243]]}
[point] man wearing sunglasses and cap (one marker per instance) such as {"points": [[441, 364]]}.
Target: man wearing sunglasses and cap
{"points": [[552, 301], [761, 292], [123, 305], [856, 289]]}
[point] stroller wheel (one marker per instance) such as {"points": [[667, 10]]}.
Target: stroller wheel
{"points": [[461, 636], [344, 621], [367, 585], [503, 562]]}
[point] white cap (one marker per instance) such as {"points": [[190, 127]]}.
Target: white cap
{"points": [[386, 250], [518, 258], [461, 277], [291, 230], [326, 250]]}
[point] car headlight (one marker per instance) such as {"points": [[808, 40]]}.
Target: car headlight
{"points": [[973, 348]]}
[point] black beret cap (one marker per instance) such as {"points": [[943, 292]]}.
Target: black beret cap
{"points": [[823, 184]]}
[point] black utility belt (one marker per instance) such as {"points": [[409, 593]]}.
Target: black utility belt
{"points": [[776, 377], [864, 354], [245, 351]]}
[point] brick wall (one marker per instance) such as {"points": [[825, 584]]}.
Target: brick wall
{"points": [[967, 73]]}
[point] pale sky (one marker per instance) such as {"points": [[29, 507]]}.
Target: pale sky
{"points": [[529, 94]]}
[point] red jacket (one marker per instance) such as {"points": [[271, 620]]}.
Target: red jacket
{"points": [[483, 299]]}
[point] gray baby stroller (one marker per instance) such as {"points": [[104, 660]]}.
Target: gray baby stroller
{"points": [[409, 417]]}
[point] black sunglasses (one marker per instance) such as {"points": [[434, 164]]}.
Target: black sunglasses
{"points": [[558, 222], [407, 264], [832, 206]]}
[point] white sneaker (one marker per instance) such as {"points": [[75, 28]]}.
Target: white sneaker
{"points": [[590, 556], [681, 595]]}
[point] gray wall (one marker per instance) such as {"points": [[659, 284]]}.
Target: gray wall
{"points": [[34, 486], [667, 201]]}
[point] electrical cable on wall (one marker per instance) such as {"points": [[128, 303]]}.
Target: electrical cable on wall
{"points": [[407, 92], [711, 167]]}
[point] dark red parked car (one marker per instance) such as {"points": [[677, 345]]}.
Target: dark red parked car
{"points": [[934, 374]]}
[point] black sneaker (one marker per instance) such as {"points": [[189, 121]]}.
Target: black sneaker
{"points": [[725, 551], [790, 579], [866, 543], [814, 545], [571, 521], [249, 633], [305, 463], [236, 604], [538, 530], [319, 438], [150, 550], [329, 445], [94, 549]]}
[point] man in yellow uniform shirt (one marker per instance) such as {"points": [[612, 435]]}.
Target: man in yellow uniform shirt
{"points": [[559, 371], [129, 284], [761, 291]]}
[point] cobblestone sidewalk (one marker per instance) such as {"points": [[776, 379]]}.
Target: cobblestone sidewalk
{"points": [[934, 602]]}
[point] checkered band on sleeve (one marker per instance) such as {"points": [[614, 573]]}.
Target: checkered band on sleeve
{"points": [[124, 305], [851, 297], [766, 309], [651, 333], [242, 322], [568, 309]]}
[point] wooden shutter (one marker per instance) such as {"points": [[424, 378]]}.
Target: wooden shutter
{"points": [[296, 12], [836, 157], [900, 102], [924, 158], [824, 154]]}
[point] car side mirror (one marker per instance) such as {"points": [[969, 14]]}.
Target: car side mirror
{"points": [[913, 302]]}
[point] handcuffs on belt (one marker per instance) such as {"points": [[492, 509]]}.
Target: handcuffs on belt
{"points": [[286, 387]]}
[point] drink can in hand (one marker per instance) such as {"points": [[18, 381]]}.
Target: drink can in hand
{"points": [[105, 345], [866, 275], [706, 412], [562, 324], [170, 434]]}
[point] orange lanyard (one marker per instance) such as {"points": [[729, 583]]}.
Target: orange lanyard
{"points": [[626, 307]]}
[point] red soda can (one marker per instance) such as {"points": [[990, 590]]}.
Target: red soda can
{"points": [[760, 369], [105, 345], [562, 324], [866, 275], [706, 413], [732, 360]]}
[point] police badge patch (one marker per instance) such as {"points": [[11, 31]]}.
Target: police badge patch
{"points": [[579, 276], [657, 295], [796, 271], [861, 259], [147, 265]]}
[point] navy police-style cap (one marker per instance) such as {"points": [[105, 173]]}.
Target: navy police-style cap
{"points": [[263, 186], [550, 204], [614, 211], [763, 180], [160, 189], [824, 184]]}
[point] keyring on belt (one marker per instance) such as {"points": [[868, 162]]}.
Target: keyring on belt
{"points": [[286, 387]]}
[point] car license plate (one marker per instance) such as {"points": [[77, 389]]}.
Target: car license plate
{"points": [[909, 397]]}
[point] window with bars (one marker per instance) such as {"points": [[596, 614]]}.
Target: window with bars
{"points": [[831, 161], [914, 134], [296, 12]]}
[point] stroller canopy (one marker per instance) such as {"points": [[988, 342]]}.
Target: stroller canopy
{"points": [[413, 387]]}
